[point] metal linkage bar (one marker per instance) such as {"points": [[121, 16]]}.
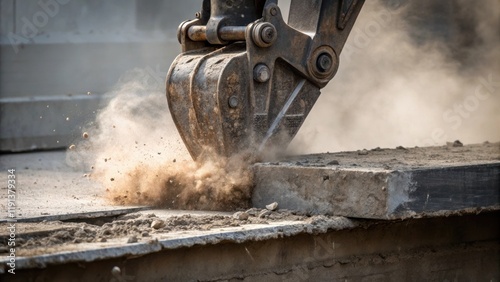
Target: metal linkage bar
{"points": [[226, 33]]}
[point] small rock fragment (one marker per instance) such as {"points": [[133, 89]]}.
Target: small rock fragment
{"points": [[85, 135], [252, 211], [132, 239], [264, 213], [153, 241], [363, 152], [272, 206], [401, 148], [241, 215], [334, 162], [112, 179], [157, 224], [145, 234], [72, 146], [102, 240], [457, 143], [244, 216], [116, 271]]}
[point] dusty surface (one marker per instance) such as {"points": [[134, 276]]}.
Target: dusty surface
{"points": [[47, 186], [400, 157], [308, 241], [142, 227], [135, 234], [49, 189]]}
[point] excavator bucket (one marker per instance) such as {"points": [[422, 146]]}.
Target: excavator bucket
{"points": [[246, 79]]}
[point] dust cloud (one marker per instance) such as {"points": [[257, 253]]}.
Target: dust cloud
{"points": [[413, 73], [398, 84], [135, 151]]}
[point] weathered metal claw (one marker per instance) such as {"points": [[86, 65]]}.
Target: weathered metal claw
{"points": [[249, 82]]}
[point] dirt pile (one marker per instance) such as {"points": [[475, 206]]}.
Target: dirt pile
{"points": [[134, 150], [216, 184]]}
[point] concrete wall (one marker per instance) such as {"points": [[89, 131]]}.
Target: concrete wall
{"points": [[53, 52]]}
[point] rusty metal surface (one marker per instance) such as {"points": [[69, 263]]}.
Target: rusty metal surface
{"points": [[254, 90]]}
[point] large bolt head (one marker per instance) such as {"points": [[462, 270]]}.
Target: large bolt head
{"points": [[261, 73], [268, 34], [264, 34], [274, 11], [324, 62], [233, 101]]}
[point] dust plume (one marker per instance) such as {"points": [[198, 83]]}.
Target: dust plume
{"points": [[413, 73], [134, 150]]}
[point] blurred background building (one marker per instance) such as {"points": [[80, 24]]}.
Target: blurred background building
{"points": [[58, 58]]}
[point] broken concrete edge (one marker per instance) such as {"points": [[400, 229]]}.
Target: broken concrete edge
{"points": [[76, 216], [452, 189], [365, 167], [445, 213], [318, 190], [376, 193], [241, 234]]}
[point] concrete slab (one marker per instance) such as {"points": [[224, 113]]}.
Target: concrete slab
{"points": [[384, 183]]}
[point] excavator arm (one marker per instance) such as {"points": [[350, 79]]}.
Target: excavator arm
{"points": [[246, 79]]}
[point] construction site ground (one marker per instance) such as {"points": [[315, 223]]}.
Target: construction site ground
{"points": [[67, 231]]}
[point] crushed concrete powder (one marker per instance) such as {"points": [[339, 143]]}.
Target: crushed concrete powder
{"points": [[136, 227]]}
